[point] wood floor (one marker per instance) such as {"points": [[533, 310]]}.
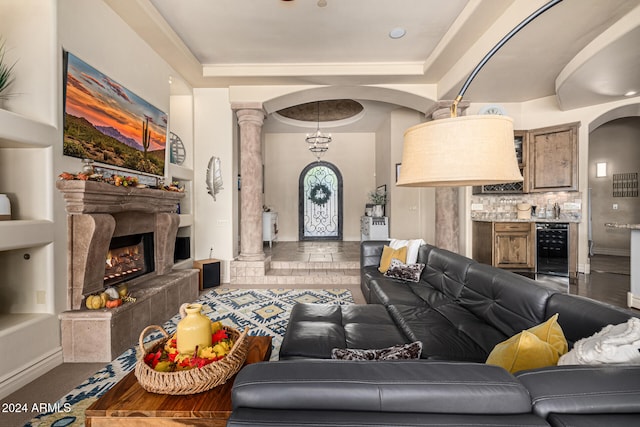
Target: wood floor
{"points": [[608, 282]]}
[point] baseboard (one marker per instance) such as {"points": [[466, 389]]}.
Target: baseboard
{"points": [[633, 300], [17, 379], [611, 251]]}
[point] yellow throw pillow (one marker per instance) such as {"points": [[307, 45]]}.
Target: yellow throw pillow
{"points": [[551, 332], [537, 347], [388, 254]]}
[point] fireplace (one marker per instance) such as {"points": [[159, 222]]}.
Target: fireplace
{"points": [[128, 257], [115, 235]]}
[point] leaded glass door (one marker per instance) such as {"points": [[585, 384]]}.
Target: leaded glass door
{"points": [[320, 202]]}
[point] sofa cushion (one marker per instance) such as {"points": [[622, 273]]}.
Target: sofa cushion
{"points": [[582, 317], [388, 254], [594, 420], [446, 271], [388, 291], [401, 386], [614, 344], [315, 329], [251, 417], [407, 272], [509, 302], [583, 389], [537, 347], [447, 332], [395, 352]]}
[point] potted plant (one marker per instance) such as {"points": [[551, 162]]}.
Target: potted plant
{"points": [[6, 73], [378, 199]]}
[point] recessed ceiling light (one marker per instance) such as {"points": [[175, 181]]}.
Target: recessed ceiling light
{"points": [[630, 93], [397, 33]]}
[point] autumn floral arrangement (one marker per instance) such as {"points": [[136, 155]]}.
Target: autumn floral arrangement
{"points": [[117, 180], [168, 359]]}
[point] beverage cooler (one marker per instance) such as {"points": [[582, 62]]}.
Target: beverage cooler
{"points": [[552, 248]]}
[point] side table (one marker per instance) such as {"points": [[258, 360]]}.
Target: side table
{"points": [[128, 404]]}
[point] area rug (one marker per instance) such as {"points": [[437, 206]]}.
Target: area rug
{"points": [[264, 311]]}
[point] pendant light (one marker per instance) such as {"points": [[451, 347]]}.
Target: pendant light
{"points": [[318, 142]]}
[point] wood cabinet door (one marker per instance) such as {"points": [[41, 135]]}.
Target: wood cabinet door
{"points": [[514, 249], [553, 158]]}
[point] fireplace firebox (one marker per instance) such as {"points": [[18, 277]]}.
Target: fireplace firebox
{"points": [[129, 256]]}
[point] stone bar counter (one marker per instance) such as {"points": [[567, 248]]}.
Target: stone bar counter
{"points": [[633, 297]]}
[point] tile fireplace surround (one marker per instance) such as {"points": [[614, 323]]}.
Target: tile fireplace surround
{"points": [[96, 212]]}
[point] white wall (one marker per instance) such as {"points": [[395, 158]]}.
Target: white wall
{"points": [[215, 225], [412, 209], [285, 155]]}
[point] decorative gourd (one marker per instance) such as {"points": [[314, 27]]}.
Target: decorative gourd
{"points": [[93, 302], [112, 292], [114, 303]]}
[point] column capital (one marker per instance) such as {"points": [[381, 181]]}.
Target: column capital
{"points": [[247, 105], [250, 115]]}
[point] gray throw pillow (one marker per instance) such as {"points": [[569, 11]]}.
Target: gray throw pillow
{"points": [[409, 272], [397, 352]]}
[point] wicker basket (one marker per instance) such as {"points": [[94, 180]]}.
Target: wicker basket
{"points": [[194, 380]]}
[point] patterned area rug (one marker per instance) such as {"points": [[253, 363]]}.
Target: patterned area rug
{"points": [[264, 311]]}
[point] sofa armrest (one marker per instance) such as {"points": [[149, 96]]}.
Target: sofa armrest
{"points": [[583, 389], [371, 252], [393, 386]]}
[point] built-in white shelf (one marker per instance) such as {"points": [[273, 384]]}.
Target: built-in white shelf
{"points": [[17, 131], [18, 234], [186, 220], [180, 172]]}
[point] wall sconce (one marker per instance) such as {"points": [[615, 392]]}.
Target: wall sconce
{"points": [[601, 169]]}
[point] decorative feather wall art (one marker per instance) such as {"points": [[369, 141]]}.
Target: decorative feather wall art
{"points": [[214, 177]]}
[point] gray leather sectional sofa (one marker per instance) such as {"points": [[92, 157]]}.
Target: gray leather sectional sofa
{"points": [[459, 310]]}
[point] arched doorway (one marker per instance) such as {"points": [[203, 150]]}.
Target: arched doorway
{"points": [[320, 202]]}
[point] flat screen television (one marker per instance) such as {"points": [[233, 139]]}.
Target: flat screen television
{"points": [[109, 124]]}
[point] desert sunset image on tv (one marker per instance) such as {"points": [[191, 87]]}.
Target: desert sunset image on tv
{"points": [[109, 124]]}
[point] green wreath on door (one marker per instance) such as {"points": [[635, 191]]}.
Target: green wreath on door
{"points": [[320, 194]]}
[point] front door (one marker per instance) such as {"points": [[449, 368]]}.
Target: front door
{"points": [[320, 202]]}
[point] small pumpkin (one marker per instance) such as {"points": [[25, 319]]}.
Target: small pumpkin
{"points": [[114, 303], [93, 302], [103, 299]]}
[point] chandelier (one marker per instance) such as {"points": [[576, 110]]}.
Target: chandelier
{"points": [[318, 142]]}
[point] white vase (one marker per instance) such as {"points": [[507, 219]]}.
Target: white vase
{"points": [[378, 210], [5, 207]]}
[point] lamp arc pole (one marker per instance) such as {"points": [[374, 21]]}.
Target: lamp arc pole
{"points": [[505, 39]]}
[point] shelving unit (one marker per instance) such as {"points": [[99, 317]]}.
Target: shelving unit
{"points": [[184, 177], [26, 245]]}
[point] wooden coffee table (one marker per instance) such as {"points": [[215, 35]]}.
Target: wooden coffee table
{"points": [[128, 404]]}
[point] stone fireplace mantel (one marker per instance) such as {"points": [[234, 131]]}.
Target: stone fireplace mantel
{"points": [[96, 213], [99, 197]]}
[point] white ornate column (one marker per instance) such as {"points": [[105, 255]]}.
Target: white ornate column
{"points": [[250, 119], [447, 205]]}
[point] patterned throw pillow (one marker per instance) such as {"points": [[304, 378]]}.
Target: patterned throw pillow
{"points": [[409, 272], [397, 352]]}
